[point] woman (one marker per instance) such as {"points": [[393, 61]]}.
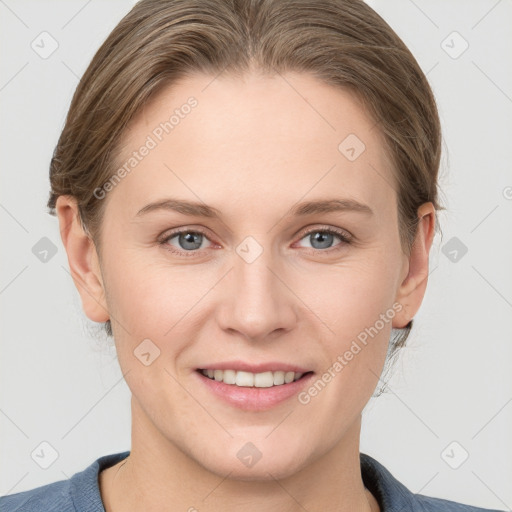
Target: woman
{"points": [[247, 194]]}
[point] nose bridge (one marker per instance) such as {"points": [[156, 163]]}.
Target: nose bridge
{"points": [[260, 303]]}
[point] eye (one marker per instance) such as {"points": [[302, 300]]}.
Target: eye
{"points": [[321, 239], [188, 242]]}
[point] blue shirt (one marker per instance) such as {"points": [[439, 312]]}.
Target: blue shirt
{"points": [[81, 492]]}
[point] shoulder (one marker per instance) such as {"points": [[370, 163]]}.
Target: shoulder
{"points": [[50, 497], [78, 493], [393, 495], [428, 504]]}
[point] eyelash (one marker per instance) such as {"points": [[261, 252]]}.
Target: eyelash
{"points": [[344, 236]]}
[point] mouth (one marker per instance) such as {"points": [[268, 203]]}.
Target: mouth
{"points": [[254, 391], [246, 379], [252, 380]]}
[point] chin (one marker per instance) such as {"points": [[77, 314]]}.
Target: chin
{"points": [[260, 473], [249, 464]]}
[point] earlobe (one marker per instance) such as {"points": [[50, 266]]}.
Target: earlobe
{"points": [[82, 259], [412, 288]]}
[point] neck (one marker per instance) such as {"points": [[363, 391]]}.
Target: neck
{"points": [[157, 475]]}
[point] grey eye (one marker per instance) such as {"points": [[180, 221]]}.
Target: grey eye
{"points": [[321, 239], [188, 240]]}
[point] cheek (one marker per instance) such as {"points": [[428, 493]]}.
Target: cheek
{"points": [[138, 287], [349, 296], [150, 298], [354, 303]]}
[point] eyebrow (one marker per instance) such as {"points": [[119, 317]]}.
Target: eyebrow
{"points": [[306, 208]]}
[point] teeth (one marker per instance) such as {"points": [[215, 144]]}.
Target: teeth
{"points": [[288, 377], [229, 376], [245, 379], [252, 380], [278, 378]]}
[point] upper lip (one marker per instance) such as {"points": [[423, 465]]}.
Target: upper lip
{"points": [[271, 366]]}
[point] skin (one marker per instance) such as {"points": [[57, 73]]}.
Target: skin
{"points": [[252, 148]]}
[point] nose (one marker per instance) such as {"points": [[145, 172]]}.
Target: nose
{"points": [[257, 302]]}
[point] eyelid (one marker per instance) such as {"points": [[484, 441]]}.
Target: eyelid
{"points": [[342, 233], [184, 229]]}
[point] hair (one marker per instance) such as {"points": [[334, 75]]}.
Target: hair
{"points": [[344, 43]]}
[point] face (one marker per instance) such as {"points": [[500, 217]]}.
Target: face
{"points": [[290, 261]]}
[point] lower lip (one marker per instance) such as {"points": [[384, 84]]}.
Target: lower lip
{"points": [[255, 399]]}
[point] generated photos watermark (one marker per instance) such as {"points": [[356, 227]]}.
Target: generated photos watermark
{"points": [[152, 140], [343, 360]]}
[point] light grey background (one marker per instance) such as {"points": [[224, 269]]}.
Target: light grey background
{"points": [[62, 385]]}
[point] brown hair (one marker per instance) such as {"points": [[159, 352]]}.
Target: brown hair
{"points": [[342, 42]]}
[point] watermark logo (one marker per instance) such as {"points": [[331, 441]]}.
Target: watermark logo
{"points": [[44, 455], [455, 455], [44, 250], [454, 249], [146, 352], [351, 147], [44, 45], [249, 454], [249, 249], [454, 45]]}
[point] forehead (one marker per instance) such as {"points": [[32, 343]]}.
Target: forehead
{"points": [[231, 141]]}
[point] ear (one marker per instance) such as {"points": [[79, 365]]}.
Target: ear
{"points": [[83, 259], [415, 275]]}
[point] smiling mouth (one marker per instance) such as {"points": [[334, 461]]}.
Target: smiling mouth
{"points": [[252, 380]]}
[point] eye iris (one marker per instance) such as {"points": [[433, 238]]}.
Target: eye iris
{"points": [[190, 238], [324, 238]]}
